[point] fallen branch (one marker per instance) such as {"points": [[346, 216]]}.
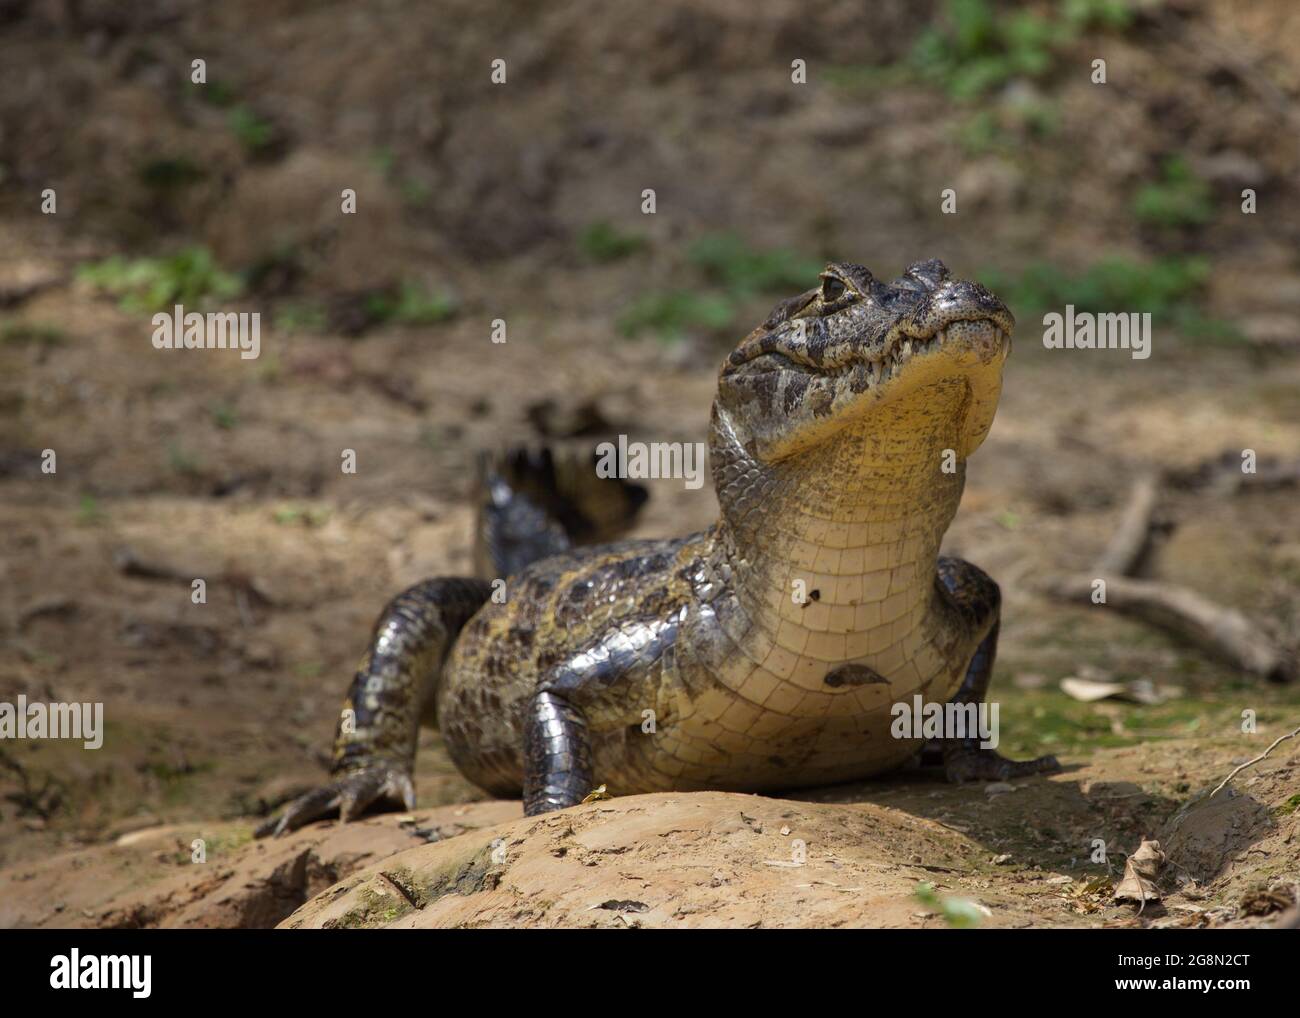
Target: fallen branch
{"points": [[1222, 632], [1223, 475], [1132, 540], [1250, 763]]}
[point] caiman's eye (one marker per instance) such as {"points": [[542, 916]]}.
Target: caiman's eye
{"points": [[832, 288]]}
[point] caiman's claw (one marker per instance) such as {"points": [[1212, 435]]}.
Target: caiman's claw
{"points": [[970, 763], [383, 787]]}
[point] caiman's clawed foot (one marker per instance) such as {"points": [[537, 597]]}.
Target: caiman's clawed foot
{"points": [[379, 788], [963, 762]]}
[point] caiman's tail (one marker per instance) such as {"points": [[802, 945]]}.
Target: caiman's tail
{"points": [[540, 501]]}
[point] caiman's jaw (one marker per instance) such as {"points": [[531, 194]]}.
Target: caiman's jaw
{"points": [[855, 347]]}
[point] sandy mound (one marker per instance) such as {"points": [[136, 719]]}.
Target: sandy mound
{"points": [[668, 860]]}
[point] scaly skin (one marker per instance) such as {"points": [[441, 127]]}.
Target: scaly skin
{"points": [[838, 445]]}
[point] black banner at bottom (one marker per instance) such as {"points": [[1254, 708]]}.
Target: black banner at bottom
{"points": [[376, 969]]}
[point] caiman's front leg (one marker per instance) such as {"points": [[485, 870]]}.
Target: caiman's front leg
{"points": [[604, 684], [979, 601], [557, 755], [375, 740]]}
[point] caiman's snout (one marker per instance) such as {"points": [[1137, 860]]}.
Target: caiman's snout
{"points": [[964, 311]]}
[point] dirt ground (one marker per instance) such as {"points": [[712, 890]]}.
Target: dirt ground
{"points": [[173, 466]]}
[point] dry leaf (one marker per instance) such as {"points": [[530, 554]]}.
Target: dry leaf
{"points": [[1088, 690], [1140, 871], [1142, 691]]}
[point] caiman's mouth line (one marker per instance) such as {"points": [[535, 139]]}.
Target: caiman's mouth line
{"points": [[900, 348]]}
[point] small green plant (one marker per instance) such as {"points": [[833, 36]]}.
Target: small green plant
{"points": [[1006, 127], [1110, 284], [254, 132], [31, 334], [1114, 14], [181, 461], [214, 93], [410, 304], [415, 193], [170, 174], [1290, 806], [977, 47], [743, 270], [189, 277], [89, 513], [300, 515], [303, 316], [1008, 519], [959, 913], [384, 160], [1171, 288], [1178, 198], [225, 416], [605, 242], [737, 271], [674, 314]]}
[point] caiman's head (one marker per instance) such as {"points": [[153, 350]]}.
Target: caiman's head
{"points": [[880, 358]]}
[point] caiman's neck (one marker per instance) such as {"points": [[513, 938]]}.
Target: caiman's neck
{"points": [[874, 502]]}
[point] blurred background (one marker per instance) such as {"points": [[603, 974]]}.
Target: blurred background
{"points": [[522, 201]]}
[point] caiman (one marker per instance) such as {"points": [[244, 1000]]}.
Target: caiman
{"points": [[761, 654]]}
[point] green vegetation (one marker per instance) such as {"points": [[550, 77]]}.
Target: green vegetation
{"points": [[1006, 128], [182, 461], [170, 174], [415, 193], [978, 47], [1170, 288], [959, 913], [1178, 198], [89, 513], [1049, 721], [736, 271], [225, 416], [1160, 287], [254, 133], [305, 316], [730, 261], [674, 314], [214, 93], [1290, 806], [300, 515], [189, 277], [410, 304], [605, 242], [31, 334], [384, 159]]}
